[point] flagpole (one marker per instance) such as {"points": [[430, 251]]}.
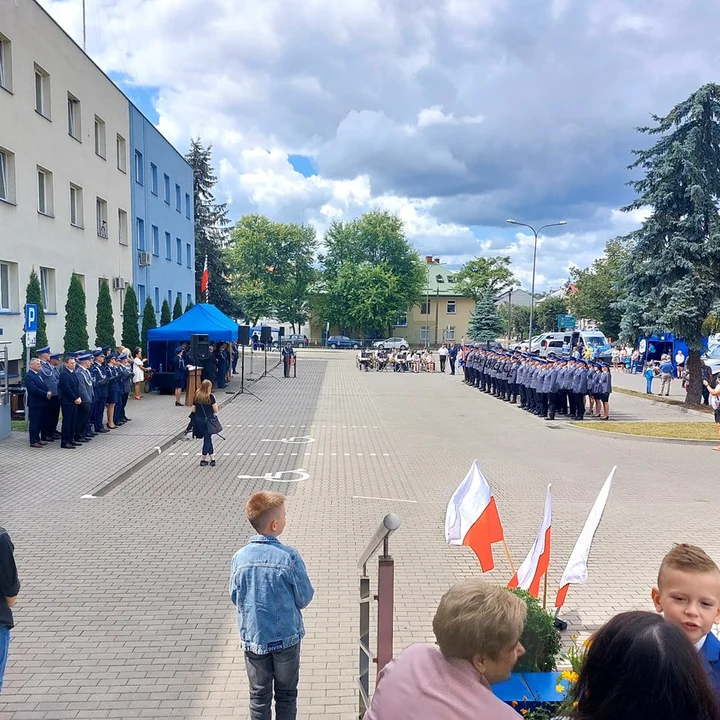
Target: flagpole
{"points": [[545, 592], [507, 554]]}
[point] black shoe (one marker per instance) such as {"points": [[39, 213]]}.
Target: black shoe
{"points": [[203, 462], [177, 404], [101, 430], [127, 419], [212, 463], [48, 439], [65, 446]]}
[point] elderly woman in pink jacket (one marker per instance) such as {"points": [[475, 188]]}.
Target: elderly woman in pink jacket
{"points": [[477, 627]]}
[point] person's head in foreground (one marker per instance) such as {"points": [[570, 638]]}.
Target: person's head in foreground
{"points": [[477, 627], [639, 667], [688, 591], [266, 513]]}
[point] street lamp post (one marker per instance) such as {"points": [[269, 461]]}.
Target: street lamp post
{"points": [[438, 279], [532, 289]]}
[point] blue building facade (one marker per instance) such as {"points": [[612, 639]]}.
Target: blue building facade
{"points": [[163, 236]]}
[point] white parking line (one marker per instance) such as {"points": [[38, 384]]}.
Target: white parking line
{"points": [[186, 453], [226, 454], [370, 497]]}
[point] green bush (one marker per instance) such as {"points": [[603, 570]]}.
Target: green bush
{"points": [[165, 318], [177, 308], [33, 296], [104, 323], [149, 322], [540, 638], [131, 313], [189, 306], [76, 325]]}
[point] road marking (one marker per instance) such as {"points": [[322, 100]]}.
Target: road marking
{"points": [[277, 476], [293, 440], [386, 454], [293, 453], [373, 453], [253, 453], [321, 453], [90, 497], [346, 454], [250, 426], [185, 454], [359, 454], [226, 454], [333, 453], [171, 453], [239, 454], [266, 453], [370, 497], [281, 453]]}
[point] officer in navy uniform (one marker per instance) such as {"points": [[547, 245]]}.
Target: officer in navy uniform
{"points": [[180, 374], [38, 396], [69, 401], [580, 388], [100, 390], [85, 388], [51, 378], [126, 373]]}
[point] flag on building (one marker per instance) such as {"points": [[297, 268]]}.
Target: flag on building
{"points": [[472, 517], [535, 565], [205, 280], [576, 571]]}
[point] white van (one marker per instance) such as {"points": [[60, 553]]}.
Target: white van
{"points": [[553, 343]]}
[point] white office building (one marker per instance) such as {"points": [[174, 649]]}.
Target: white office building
{"points": [[64, 189]]}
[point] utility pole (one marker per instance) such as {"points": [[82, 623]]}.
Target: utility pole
{"points": [[84, 28]]}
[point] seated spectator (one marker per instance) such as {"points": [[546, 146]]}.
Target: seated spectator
{"points": [[416, 362], [428, 362], [477, 627], [639, 666]]}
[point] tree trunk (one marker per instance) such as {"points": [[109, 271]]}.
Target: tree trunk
{"points": [[694, 366]]}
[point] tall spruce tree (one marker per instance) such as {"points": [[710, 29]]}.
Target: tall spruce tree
{"points": [[670, 275], [189, 306], [131, 315], [104, 321], [485, 324], [149, 322], [76, 324], [212, 230], [33, 296], [165, 317], [177, 308]]}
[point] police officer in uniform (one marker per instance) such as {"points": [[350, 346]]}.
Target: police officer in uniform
{"points": [[51, 378], [100, 390], [69, 401], [85, 389], [37, 400]]}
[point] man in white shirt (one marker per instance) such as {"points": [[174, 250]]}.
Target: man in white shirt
{"points": [[680, 362], [443, 353]]}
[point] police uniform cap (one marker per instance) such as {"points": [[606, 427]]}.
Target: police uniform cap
{"points": [[105, 348], [84, 357], [122, 356], [179, 349], [112, 356], [97, 353], [56, 356], [42, 350]]}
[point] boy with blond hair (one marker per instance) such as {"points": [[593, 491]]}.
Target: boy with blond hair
{"points": [[269, 586], [688, 596]]}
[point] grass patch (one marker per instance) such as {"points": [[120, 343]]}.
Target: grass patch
{"points": [[666, 400], [20, 425], [679, 430]]}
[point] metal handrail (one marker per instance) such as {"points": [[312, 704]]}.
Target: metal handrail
{"points": [[388, 526]]}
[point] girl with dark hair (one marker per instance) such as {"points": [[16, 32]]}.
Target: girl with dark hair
{"points": [[640, 667]]}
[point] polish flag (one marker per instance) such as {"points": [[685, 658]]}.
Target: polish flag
{"points": [[576, 572], [472, 517], [205, 278], [535, 565]]}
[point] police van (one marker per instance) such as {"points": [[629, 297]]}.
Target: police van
{"points": [[561, 343]]}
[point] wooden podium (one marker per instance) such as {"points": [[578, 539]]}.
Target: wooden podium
{"points": [[193, 383]]}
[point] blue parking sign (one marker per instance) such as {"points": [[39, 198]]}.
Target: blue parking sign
{"points": [[31, 318]]}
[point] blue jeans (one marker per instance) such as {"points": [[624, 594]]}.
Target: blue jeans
{"points": [[4, 647], [281, 668], [648, 388], [207, 444]]}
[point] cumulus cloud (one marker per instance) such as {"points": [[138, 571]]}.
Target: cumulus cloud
{"points": [[457, 114]]}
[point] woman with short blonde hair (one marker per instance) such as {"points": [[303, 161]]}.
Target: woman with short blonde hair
{"points": [[477, 627], [205, 407]]}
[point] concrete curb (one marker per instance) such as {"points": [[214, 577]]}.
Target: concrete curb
{"points": [[130, 469], [640, 438]]}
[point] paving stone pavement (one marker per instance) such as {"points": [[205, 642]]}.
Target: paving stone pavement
{"points": [[124, 610]]}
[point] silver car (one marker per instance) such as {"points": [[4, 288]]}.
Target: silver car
{"points": [[393, 343]]}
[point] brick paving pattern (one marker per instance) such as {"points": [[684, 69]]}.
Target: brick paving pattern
{"points": [[124, 610]]}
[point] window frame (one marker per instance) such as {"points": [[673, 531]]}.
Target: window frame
{"points": [[6, 175], [153, 179], [76, 207], [6, 79], [188, 253], [178, 198], [100, 134], [178, 250], [47, 288], [101, 221], [454, 306], [42, 92], [121, 152], [47, 195], [168, 246], [166, 188], [122, 227], [140, 233], [187, 206], [5, 287], [74, 118], [155, 240], [139, 168]]}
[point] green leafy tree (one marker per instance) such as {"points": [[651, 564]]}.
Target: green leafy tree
{"points": [[76, 324], [131, 315], [673, 263], [104, 320], [482, 275], [165, 317], [599, 289], [212, 230], [177, 308], [33, 296], [149, 321], [547, 311], [516, 320], [376, 239], [190, 305], [485, 324]]}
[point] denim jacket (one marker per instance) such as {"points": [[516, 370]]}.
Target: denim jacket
{"points": [[269, 586]]}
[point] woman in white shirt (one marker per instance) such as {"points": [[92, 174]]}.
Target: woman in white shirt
{"points": [[138, 372]]}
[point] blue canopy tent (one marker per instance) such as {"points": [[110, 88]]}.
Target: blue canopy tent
{"points": [[200, 319]]}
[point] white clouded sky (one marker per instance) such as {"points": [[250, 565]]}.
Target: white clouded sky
{"points": [[457, 114]]}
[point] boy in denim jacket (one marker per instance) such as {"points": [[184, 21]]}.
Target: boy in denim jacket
{"points": [[269, 586]]}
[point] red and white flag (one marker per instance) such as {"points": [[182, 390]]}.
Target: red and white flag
{"points": [[535, 565], [472, 517], [205, 278], [576, 571]]}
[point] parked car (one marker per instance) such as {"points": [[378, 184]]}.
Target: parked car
{"points": [[297, 341], [712, 359], [342, 341], [394, 343]]}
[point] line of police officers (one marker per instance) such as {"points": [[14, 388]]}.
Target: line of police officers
{"points": [[543, 386], [91, 388]]}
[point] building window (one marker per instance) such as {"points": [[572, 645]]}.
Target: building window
{"points": [[170, 300], [42, 92], [140, 230], [153, 179], [141, 297], [449, 332], [139, 169], [189, 299], [74, 118], [166, 181], [451, 307], [402, 320], [168, 246], [178, 198], [451, 278], [187, 205], [178, 251], [424, 333], [157, 299], [155, 240], [100, 142], [4, 287], [7, 175], [179, 297], [424, 308], [5, 63], [188, 253], [76, 206], [121, 150], [47, 288], [122, 227], [101, 217], [45, 191]]}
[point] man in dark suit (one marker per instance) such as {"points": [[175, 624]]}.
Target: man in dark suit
{"points": [[38, 397], [69, 401], [180, 374]]}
